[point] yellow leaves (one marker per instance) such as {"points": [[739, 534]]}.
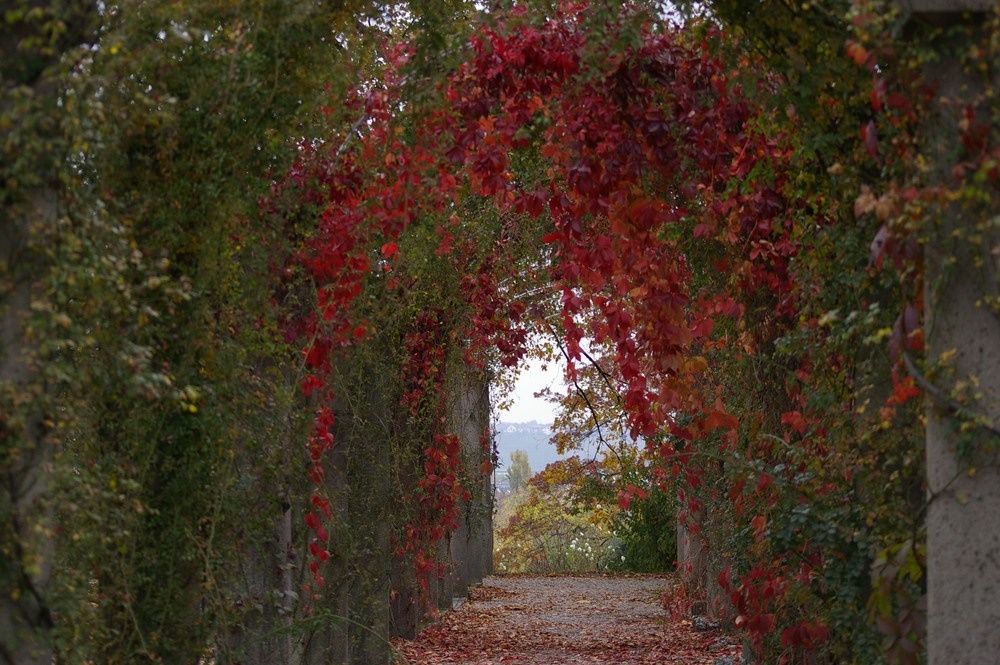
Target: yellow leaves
{"points": [[948, 357], [696, 365], [867, 202], [829, 318], [188, 396], [879, 337]]}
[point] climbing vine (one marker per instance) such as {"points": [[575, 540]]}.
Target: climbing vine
{"points": [[623, 191], [672, 181], [224, 347]]}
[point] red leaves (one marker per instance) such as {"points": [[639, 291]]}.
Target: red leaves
{"points": [[619, 247], [718, 419], [389, 250], [795, 420], [903, 391], [756, 596], [878, 94], [533, 203], [625, 496], [318, 552], [318, 357], [309, 384], [869, 136], [856, 52], [645, 214], [806, 634], [322, 504], [725, 579], [439, 501], [759, 526], [444, 248], [757, 623], [423, 370]]}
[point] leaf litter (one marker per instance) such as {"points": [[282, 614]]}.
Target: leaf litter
{"points": [[555, 620]]}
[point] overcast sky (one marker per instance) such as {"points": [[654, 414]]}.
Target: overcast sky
{"points": [[526, 407]]}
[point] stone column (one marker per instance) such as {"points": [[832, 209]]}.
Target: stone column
{"points": [[963, 365], [471, 546]]}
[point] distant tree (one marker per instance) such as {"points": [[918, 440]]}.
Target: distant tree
{"points": [[519, 471], [555, 527]]}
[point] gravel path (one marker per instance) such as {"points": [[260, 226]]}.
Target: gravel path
{"points": [[529, 620]]}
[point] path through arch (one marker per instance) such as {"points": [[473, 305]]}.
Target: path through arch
{"points": [[552, 620]]}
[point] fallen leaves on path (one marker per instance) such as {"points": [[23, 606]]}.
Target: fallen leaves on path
{"points": [[598, 620]]}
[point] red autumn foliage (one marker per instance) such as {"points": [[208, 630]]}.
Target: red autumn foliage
{"points": [[649, 161]]}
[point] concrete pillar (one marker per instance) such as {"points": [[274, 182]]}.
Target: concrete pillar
{"points": [[471, 546], [963, 366], [692, 555]]}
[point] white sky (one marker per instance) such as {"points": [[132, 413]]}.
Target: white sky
{"points": [[526, 407]]}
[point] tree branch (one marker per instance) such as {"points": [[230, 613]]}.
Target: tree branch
{"points": [[938, 395]]}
